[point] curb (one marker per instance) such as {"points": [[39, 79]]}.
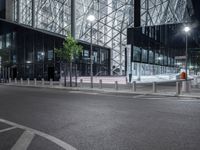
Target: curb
{"points": [[104, 91]]}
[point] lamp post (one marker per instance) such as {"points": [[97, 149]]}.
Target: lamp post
{"points": [[91, 19], [186, 29], [43, 55]]}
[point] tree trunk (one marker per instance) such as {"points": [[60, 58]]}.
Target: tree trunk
{"points": [[65, 74], [70, 73], [76, 75]]}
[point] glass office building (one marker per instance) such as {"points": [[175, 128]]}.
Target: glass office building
{"points": [[113, 18], [29, 53], [160, 49]]}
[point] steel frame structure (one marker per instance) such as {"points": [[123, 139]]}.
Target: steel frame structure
{"points": [[113, 17]]}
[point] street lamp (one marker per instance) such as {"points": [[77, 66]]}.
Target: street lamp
{"points": [[186, 29], [43, 55], [91, 19]]}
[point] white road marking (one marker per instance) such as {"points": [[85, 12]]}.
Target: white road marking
{"points": [[7, 129], [107, 94], [24, 141], [138, 96], [55, 140], [174, 98], [189, 100], [80, 92], [156, 98]]}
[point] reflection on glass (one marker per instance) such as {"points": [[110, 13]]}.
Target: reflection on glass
{"points": [[165, 60], [102, 56], [169, 62], [40, 56], [144, 55], [8, 40], [14, 59], [156, 58], [28, 70], [136, 53], [160, 59], [151, 59], [86, 53], [1, 42], [30, 57], [50, 54], [172, 61], [95, 56]]}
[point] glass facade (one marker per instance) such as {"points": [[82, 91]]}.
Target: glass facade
{"points": [[113, 18], [156, 48], [2, 9], [29, 53]]}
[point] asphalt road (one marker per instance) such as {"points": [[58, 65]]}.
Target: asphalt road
{"points": [[47, 119]]}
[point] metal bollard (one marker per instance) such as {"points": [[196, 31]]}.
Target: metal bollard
{"points": [[195, 82], [116, 85], [134, 86], [178, 88], [154, 87], [51, 83], [10, 80], [42, 81], [81, 83], [100, 84], [28, 81], [35, 81], [127, 81], [21, 81], [15, 80]]}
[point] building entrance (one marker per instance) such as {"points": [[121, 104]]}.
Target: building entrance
{"points": [[14, 72], [50, 73]]}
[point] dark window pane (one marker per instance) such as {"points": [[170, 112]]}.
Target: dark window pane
{"points": [[136, 53], [144, 55], [151, 58]]}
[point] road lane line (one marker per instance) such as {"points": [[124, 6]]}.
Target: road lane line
{"points": [[138, 96], [189, 100], [81, 92], [155, 98], [7, 129], [24, 141], [55, 140], [107, 94]]}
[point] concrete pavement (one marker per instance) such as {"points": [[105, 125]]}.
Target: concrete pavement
{"points": [[100, 121], [162, 88]]}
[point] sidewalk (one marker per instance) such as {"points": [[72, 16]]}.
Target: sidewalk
{"points": [[164, 89]]}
